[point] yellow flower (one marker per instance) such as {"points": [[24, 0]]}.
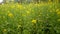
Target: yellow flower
{"points": [[12, 6], [58, 12], [10, 15], [33, 21], [20, 6], [4, 30], [28, 12]]}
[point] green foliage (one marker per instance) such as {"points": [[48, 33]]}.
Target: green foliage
{"points": [[30, 19]]}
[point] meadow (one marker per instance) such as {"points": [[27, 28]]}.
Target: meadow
{"points": [[42, 18]]}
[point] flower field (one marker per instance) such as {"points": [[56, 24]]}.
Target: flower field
{"points": [[32, 18]]}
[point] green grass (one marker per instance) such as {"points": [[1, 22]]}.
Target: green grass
{"points": [[17, 19]]}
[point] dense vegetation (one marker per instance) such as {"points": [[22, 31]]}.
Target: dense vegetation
{"points": [[42, 18]]}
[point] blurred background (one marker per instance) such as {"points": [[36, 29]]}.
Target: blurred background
{"points": [[29, 16], [28, 1]]}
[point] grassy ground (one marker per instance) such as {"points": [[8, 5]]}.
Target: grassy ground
{"points": [[30, 19]]}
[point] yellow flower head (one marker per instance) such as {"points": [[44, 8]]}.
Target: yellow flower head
{"points": [[57, 10], [28, 12], [33, 21], [10, 15], [20, 6], [58, 13]]}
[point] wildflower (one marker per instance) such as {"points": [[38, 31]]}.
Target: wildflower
{"points": [[58, 12], [28, 12], [10, 15], [12, 6], [33, 21], [20, 6]]}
